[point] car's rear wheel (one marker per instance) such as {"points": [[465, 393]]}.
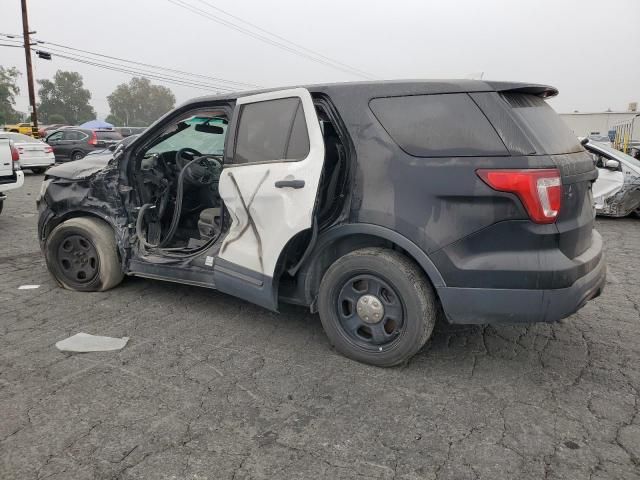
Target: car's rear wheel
{"points": [[1, 205], [377, 306], [38, 170], [77, 155], [82, 255]]}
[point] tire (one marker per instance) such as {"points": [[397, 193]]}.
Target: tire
{"points": [[85, 245], [38, 170], [77, 155], [1, 205], [407, 317]]}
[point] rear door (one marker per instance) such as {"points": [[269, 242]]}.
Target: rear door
{"points": [[269, 185]]}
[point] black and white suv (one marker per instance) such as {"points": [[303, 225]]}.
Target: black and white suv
{"points": [[371, 203]]}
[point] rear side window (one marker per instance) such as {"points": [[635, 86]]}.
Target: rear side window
{"points": [[271, 130], [74, 135], [447, 125], [108, 135], [542, 124]]}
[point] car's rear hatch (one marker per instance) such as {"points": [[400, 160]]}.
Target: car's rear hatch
{"points": [[543, 137]]}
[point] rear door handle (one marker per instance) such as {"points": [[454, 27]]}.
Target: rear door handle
{"points": [[290, 184]]}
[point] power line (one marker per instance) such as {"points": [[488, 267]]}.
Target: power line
{"points": [[141, 71], [133, 62], [301, 47], [133, 72], [270, 41]]}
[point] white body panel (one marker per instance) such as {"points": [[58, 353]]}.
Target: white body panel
{"points": [[608, 183], [277, 213], [12, 186], [6, 164], [35, 155]]}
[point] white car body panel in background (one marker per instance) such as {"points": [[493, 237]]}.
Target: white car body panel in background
{"points": [[33, 153], [277, 213], [608, 183]]}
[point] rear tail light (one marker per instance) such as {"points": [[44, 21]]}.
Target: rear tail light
{"points": [[539, 190], [94, 139], [15, 154], [48, 149]]}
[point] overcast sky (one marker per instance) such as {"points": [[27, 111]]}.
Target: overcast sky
{"points": [[586, 48]]}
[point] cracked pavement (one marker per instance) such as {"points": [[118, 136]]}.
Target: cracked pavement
{"points": [[210, 387]]}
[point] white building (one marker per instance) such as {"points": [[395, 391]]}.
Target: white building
{"points": [[584, 124]]}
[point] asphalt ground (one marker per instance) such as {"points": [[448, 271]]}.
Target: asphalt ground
{"points": [[210, 387]]}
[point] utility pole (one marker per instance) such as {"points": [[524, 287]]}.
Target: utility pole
{"points": [[27, 52]]}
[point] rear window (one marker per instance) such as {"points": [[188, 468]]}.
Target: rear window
{"points": [[446, 125], [108, 135], [542, 124]]}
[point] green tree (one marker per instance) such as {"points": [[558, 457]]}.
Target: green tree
{"points": [[139, 103], [65, 96], [56, 118], [8, 91]]}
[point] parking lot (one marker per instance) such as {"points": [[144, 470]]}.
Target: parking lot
{"points": [[213, 387]]}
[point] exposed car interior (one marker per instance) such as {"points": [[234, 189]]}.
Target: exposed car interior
{"points": [[177, 177]]}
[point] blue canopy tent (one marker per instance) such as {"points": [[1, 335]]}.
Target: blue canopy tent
{"points": [[96, 125]]}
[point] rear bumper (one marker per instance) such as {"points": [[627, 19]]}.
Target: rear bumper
{"points": [[37, 162], [12, 182], [498, 305]]}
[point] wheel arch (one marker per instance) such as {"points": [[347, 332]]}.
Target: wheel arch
{"points": [[340, 240], [56, 220]]}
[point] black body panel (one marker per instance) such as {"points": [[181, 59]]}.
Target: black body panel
{"points": [[477, 245]]}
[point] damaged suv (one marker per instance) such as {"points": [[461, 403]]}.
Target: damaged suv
{"points": [[376, 204]]}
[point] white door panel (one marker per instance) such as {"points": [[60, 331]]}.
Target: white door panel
{"points": [[608, 183], [265, 217]]}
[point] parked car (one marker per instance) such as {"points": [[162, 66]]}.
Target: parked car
{"points": [[35, 154], [24, 128], [374, 204], [128, 131], [616, 192], [45, 130], [74, 143], [11, 177]]}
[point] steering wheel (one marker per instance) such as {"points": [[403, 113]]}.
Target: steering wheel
{"points": [[204, 171], [185, 155]]}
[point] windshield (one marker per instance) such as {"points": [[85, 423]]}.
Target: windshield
{"points": [[18, 137], [186, 135]]}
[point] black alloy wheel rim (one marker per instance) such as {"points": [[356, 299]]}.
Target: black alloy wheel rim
{"points": [[78, 259], [370, 311]]}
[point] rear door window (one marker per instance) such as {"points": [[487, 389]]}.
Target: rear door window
{"points": [[445, 125], [73, 135], [273, 130], [542, 124]]}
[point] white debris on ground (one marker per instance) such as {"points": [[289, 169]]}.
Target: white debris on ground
{"points": [[84, 342], [28, 287]]}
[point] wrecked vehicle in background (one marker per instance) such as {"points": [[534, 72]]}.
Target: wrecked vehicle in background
{"points": [[616, 192], [375, 204]]}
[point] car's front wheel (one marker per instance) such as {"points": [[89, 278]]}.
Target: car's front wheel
{"points": [[82, 255], [377, 306]]}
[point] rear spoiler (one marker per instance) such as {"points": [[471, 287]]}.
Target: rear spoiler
{"points": [[542, 91]]}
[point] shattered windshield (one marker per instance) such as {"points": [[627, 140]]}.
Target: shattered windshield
{"points": [[186, 135]]}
